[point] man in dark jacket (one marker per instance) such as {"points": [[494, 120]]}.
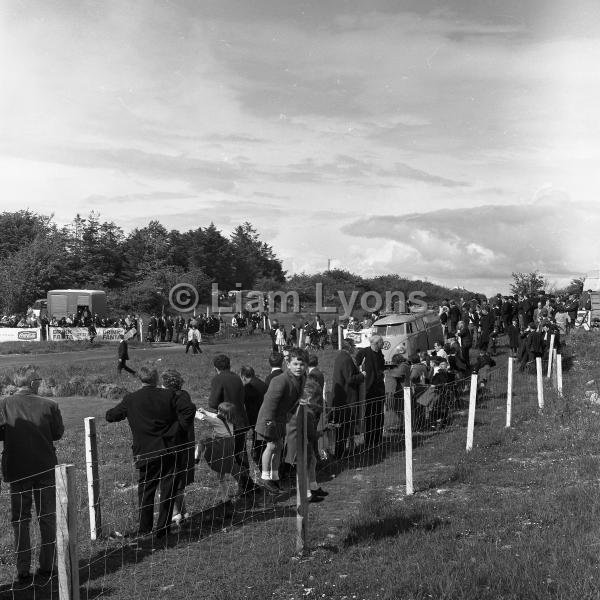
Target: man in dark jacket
{"points": [[254, 394], [29, 424], [159, 419], [228, 387], [123, 353], [276, 364], [372, 363], [346, 381], [314, 371]]}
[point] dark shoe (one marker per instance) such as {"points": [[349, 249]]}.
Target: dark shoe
{"points": [[314, 498], [319, 492], [269, 485]]}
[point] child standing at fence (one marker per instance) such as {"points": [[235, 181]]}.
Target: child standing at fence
{"points": [[280, 338], [312, 398]]}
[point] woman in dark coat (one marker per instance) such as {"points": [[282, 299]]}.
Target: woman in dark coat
{"points": [[184, 464]]}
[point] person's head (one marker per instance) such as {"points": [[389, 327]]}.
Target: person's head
{"points": [[286, 354], [246, 373], [414, 359], [348, 345], [171, 379], [276, 360], [398, 359], [26, 376], [221, 362], [376, 342], [437, 346], [313, 360], [148, 375], [230, 412], [298, 361], [443, 365], [312, 395]]}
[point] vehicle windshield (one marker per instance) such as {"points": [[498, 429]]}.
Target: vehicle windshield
{"points": [[390, 330]]}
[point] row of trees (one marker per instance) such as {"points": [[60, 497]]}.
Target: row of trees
{"points": [[137, 270]]}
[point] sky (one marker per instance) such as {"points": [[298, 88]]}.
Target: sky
{"points": [[455, 141]]}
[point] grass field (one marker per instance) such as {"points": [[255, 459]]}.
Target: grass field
{"points": [[515, 518]]}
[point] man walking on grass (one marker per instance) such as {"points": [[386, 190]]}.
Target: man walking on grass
{"points": [[123, 353], [29, 426], [159, 419]]}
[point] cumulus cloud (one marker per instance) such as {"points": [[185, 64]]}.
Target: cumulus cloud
{"points": [[554, 235]]}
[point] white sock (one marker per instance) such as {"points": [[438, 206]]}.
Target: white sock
{"points": [[265, 475], [274, 475]]}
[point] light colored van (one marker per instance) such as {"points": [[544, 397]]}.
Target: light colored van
{"points": [[408, 333]]}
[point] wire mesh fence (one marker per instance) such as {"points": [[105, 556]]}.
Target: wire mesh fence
{"points": [[209, 500]]}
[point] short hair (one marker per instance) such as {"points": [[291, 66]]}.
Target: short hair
{"points": [[222, 362], [247, 371], [299, 353], [276, 360], [25, 375], [232, 413], [397, 359], [148, 374], [375, 339], [172, 379], [313, 360]]}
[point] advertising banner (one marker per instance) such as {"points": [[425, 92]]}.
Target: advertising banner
{"points": [[20, 334], [361, 338], [105, 334]]}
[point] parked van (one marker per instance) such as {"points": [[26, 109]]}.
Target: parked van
{"points": [[408, 333], [68, 302]]}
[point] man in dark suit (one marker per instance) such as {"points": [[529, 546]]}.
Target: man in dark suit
{"points": [[372, 364], [123, 353], [314, 371], [254, 394], [228, 387], [276, 364], [346, 380], [159, 419]]}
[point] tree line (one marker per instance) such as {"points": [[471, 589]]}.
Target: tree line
{"points": [[138, 269]]}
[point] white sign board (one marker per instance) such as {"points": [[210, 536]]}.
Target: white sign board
{"points": [[361, 338], [20, 334], [105, 334]]}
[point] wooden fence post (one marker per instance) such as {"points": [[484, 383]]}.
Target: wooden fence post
{"points": [[93, 478], [340, 338], [540, 382], [550, 356], [559, 377], [472, 403], [301, 337], [66, 533], [408, 442], [509, 391], [301, 482]]}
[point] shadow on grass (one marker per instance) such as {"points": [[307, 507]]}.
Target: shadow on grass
{"points": [[369, 529]]}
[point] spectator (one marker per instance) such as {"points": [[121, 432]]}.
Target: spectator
{"points": [[372, 363], [159, 420], [280, 402], [312, 397], [254, 394], [228, 387], [276, 364], [346, 380], [29, 424], [184, 462], [314, 371]]}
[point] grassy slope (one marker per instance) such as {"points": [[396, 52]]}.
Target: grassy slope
{"points": [[517, 518]]}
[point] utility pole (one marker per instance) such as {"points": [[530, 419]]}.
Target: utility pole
{"points": [[328, 264]]}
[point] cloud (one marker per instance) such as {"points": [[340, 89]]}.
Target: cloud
{"points": [[553, 235]]}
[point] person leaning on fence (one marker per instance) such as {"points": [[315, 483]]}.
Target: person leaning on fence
{"points": [[159, 420], [226, 386], [217, 445], [346, 381], [312, 398], [281, 400], [314, 371], [29, 426], [184, 463]]}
